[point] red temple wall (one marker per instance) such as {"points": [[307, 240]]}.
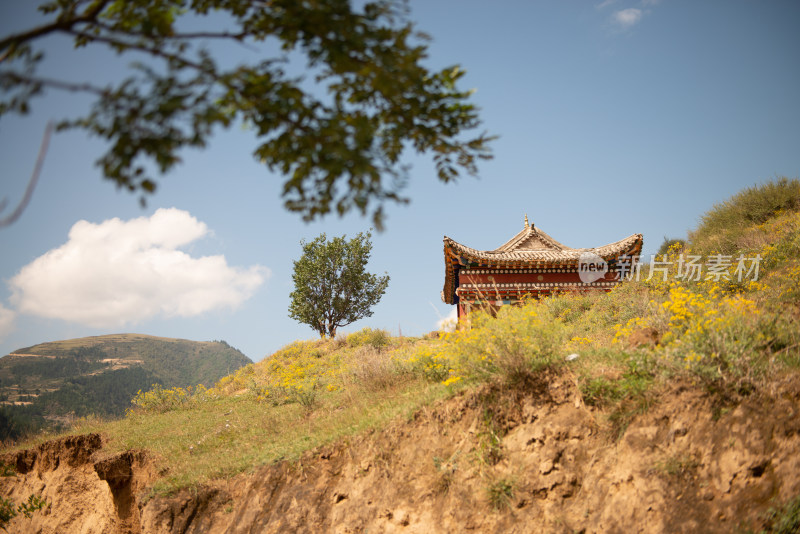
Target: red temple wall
{"points": [[525, 278]]}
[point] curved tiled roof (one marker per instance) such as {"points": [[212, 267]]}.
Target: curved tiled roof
{"points": [[529, 248]]}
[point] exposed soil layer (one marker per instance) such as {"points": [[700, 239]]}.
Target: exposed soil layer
{"points": [[531, 458], [88, 491]]}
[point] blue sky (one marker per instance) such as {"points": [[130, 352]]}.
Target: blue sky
{"points": [[613, 117]]}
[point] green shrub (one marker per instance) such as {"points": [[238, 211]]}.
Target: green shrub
{"points": [[500, 492], [367, 336], [670, 245], [676, 465], [519, 341], [8, 510], [723, 225], [593, 315], [160, 400], [783, 519]]}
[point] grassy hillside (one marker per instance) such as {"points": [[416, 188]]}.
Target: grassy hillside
{"points": [[730, 331], [62, 380]]}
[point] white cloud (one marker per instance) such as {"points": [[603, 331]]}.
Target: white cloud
{"points": [[123, 272], [605, 3], [628, 17], [448, 324], [6, 321]]}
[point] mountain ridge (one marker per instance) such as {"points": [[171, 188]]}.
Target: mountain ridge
{"points": [[52, 383]]}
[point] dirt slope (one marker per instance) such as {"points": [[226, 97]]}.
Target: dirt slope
{"points": [[89, 492], [529, 459]]}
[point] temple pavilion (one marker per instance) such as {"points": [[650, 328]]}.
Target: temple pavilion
{"points": [[530, 265]]}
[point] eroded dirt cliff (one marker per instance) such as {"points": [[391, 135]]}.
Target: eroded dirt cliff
{"points": [[531, 458], [88, 491]]}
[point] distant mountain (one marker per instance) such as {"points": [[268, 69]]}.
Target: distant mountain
{"points": [[49, 384]]}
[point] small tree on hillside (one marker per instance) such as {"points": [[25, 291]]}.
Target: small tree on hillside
{"points": [[332, 286]]}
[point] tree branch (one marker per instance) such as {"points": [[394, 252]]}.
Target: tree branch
{"points": [[58, 25], [153, 51], [57, 84], [14, 215], [191, 35]]}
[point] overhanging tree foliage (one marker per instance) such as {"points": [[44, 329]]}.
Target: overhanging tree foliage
{"points": [[338, 152], [332, 285]]}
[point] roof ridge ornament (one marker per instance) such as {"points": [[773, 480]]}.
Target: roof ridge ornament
{"points": [[526, 221]]}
